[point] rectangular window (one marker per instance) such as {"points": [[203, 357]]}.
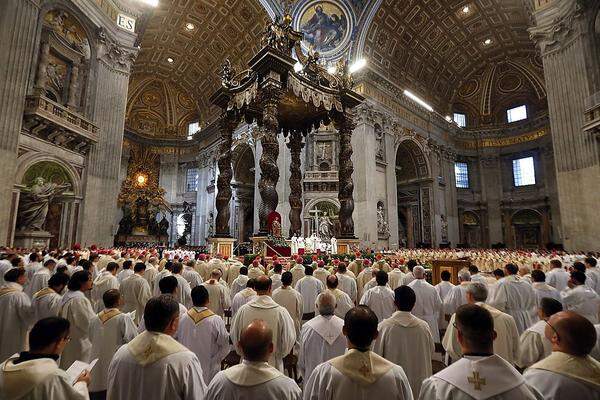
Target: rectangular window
{"points": [[461, 174], [460, 119], [191, 180], [192, 129], [524, 171], [516, 114]]}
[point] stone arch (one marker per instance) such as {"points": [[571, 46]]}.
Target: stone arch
{"points": [[526, 228], [410, 155], [331, 206], [25, 162]]}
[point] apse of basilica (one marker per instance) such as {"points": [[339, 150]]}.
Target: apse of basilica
{"points": [[469, 123]]}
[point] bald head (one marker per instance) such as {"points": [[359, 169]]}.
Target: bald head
{"points": [[419, 272], [326, 303], [572, 334], [256, 341], [263, 285]]}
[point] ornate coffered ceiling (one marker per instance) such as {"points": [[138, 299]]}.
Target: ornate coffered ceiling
{"points": [[221, 28], [433, 46]]}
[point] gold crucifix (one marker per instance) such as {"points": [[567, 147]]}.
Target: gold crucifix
{"points": [[476, 380]]}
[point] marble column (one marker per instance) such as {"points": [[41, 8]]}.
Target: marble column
{"points": [[108, 108], [295, 145], [344, 123], [18, 29], [564, 33], [227, 125], [269, 170]]}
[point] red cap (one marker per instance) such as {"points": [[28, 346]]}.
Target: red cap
{"points": [[315, 258], [336, 261], [367, 262], [274, 257], [299, 260], [255, 263], [378, 256], [321, 263], [225, 257]]}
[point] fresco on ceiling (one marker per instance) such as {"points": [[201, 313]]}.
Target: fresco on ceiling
{"points": [[325, 26]]}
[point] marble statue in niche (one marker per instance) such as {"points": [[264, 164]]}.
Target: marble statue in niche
{"points": [[34, 203], [380, 143], [383, 229]]}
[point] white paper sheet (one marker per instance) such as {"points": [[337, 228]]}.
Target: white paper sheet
{"points": [[78, 367]]}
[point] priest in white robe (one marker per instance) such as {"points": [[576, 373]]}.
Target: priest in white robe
{"points": [[297, 270], [343, 304], [275, 275], [515, 297], [480, 374], [15, 313], [592, 271], [346, 283], [77, 309], [541, 288], [568, 372], [557, 277], [458, 295], [506, 344], [360, 373], [445, 286], [190, 274], [35, 375], [321, 338], [46, 302], [154, 365], [166, 271], [203, 332], [40, 278], [106, 280], [126, 271], [406, 340], [429, 304], [243, 297], [219, 297], [380, 298], [184, 291], [253, 378], [580, 298], [151, 271], [395, 276], [309, 288], [109, 330], [275, 316], [476, 275], [240, 282], [136, 292], [321, 273], [533, 344], [289, 298], [167, 286]]}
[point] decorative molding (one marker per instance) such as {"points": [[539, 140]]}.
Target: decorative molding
{"points": [[556, 33], [502, 141], [115, 56]]}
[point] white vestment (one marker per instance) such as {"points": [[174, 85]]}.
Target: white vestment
{"points": [[161, 274], [204, 334], [357, 376], [593, 278], [109, 330], [478, 378], [563, 376], [596, 350], [103, 282], [124, 274], [15, 319], [343, 304], [150, 274], [515, 297], [184, 292], [428, 305], [39, 280], [155, 366], [321, 339], [5, 266], [292, 301], [38, 379], [583, 301], [506, 344], [309, 287], [362, 279], [45, 303], [456, 298], [218, 297], [255, 272], [347, 284], [276, 282], [252, 380], [395, 278], [193, 277], [76, 308], [380, 299], [239, 284], [542, 290], [136, 293], [182, 310], [297, 272], [443, 288], [558, 278], [232, 273], [276, 317], [406, 341], [242, 298], [533, 345], [321, 274], [408, 278]]}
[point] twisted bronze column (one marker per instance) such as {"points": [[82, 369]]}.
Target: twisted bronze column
{"points": [[227, 125], [344, 123], [295, 145], [269, 171]]}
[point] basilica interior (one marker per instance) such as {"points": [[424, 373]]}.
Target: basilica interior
{"points": [[465, 123]]}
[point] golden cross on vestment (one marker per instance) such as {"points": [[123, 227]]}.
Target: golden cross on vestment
{"points": [[476, 381], [364, 370]]}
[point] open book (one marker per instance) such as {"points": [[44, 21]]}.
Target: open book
{"points": [[75, 370]]}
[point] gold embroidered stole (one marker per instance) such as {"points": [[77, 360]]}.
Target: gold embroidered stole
{"points": [[198, 316]]}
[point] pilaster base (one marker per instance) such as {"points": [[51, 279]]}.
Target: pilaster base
{"points": [[346, 246], [222, 246], [32, 239]]}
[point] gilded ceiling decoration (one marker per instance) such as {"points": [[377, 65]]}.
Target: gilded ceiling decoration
{"points": [[197, 35], [432, 46], [159, 108]]}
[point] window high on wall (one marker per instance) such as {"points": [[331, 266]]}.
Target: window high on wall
{"points": [[516, 114], [192, 128], [191, 180], [461, 175], [460, 119], [524, 171]]}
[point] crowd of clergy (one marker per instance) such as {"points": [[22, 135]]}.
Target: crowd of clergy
{"points": [[178, 324]]}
